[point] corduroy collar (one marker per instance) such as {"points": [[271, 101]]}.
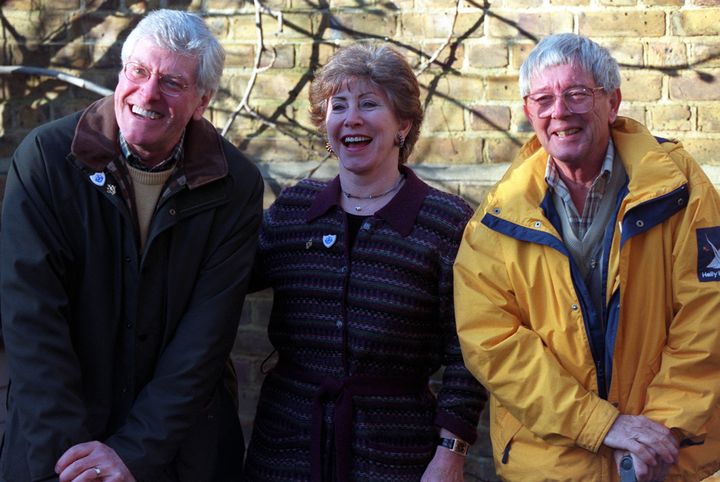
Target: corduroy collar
{"points": [[399, 213], [96, 144]]}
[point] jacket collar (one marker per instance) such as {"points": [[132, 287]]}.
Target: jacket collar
{"points": [[96, 144], [399, 213], [650, 169]]}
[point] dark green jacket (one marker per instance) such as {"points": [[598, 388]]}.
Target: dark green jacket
{"points": [[105, 342]]}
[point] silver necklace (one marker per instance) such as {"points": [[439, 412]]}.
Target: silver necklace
{"points": [[373, 196]]}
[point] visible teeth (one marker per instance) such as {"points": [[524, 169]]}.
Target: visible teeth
{"points": [[567, 132], [145, 113], [357, 139]]}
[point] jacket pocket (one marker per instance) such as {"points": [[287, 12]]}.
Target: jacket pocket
{"points": [[502, 432]]}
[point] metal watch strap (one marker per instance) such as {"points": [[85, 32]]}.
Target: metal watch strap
{"points": [[455, 445]]}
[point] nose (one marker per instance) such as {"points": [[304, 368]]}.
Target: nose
{"points": [[559, 108], [353, 116], [150, 89]]}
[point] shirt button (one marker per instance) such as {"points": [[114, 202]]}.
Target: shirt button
{"points": [[343, 269], [172, 212], [639, 223], [338, 323]]}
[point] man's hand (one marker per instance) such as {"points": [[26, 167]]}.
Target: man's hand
{"points": [[92, 461], [643, 473], [653, 447]]}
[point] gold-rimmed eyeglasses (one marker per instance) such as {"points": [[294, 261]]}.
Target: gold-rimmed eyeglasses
{"points": [[169, 84], [578, 100]]}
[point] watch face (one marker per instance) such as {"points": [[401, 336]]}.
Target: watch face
{"points": [[461, 447]]}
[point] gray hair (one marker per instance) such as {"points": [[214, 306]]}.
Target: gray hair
{"points": [[186, 34], [569, 48]]}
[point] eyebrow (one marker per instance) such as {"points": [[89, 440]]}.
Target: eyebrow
{"points": [[575, 86], [364, 94]]}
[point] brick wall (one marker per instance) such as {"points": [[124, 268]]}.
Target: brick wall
{"points": [[669, 52]]}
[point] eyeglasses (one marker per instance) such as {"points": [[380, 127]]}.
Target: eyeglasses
{"points": [[578, 100], [169, 85]]}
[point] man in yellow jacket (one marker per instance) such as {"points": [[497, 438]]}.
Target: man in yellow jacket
{"points": [[587, 289]]}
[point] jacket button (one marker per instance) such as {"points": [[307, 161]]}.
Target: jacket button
{"points": [[537, 224], [681, 201], [574, 307], [496, 211]]}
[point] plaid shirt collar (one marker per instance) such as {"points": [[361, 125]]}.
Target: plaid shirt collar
{"points": [[581, 223], [135, 161]]}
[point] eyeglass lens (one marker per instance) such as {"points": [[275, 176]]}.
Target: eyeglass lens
{"points": [[577, 101], [139, 74]]}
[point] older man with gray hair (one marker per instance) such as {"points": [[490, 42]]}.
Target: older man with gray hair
{"points": [[129, 232], [587, 289]]}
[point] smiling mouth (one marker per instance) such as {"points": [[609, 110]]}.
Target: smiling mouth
{"points": [[567, 132], [356, 140], [147, 114]]}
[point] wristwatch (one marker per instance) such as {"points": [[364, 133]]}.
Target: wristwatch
{"points": [[455, 445]]}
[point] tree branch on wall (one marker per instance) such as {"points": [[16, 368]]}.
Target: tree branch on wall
{"points": [[70, 79], [259, 49], [424, 66]]}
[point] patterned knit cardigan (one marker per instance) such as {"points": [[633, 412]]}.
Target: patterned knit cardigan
{"points": [[358, 337]]}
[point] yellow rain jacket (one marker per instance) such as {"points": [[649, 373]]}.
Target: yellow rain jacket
{"points": [[560, 373]]}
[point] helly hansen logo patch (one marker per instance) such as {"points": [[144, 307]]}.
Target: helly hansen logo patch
{"points": [[708, 240]]}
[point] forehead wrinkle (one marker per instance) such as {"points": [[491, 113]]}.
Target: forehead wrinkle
{"points": [[171, 69]]}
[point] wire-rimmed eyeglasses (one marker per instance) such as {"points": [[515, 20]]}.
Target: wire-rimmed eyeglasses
{"points": [[578, 100], [169, 84]]}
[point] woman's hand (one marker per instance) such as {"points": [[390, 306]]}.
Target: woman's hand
{"points": [[446, 466]]}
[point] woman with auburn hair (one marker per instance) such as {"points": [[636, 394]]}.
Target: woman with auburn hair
{"points": [[361, 269]]}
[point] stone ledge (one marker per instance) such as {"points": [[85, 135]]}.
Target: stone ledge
{"points": [[285, 173], [476, 174]]}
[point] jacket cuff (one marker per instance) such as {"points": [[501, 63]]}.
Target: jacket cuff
{"points": [[597, 426], [457, 426]]}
